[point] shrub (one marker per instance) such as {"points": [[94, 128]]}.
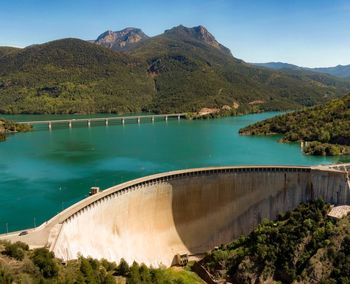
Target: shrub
{"points": [[5, 276], [45, 261], [123, 268], [16, 250]]}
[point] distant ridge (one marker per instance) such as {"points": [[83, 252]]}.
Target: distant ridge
{"points": [[278, 65], [340, 71]]}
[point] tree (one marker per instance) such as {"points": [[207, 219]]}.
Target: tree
{"points": [[45, 261], [16, 250], [123, 268]]}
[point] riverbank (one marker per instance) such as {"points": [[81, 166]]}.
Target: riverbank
{"points": [[8, 127], [325, 129]]}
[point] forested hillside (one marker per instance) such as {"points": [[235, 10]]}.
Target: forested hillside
{"points": [[340, 71], [183, 69], [301, 246], [326, 128], [190, 74], [72, 76]]}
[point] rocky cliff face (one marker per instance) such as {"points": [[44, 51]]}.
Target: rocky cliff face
{"points": [[200, 33], [126, 38], [121, 40]]}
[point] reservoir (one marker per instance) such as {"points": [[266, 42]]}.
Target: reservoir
{"points": [[43, 172]]}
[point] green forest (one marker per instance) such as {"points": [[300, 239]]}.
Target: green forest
{"points": [[18, 264], [172, 72], [300, 246], [324, 128]]}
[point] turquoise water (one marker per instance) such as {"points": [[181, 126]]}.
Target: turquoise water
{"points": [[43, 172]]}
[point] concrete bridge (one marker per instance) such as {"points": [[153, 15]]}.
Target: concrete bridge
{"points": [[151, 219], [106, 120]]}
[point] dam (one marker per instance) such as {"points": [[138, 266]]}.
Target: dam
{"points": [[154, 218]]}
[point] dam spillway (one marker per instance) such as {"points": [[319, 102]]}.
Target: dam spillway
{"points": [[151, 219]]}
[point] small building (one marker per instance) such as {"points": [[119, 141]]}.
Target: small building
{"points": [[338, 212], [180, 260], [94, 190]]}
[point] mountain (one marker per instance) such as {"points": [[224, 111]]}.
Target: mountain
{"points": [[200, 33], [190, 73], [72, 76], [5, 50], [181, 70], [325, 128], [121, 40], [278, 65], [340, 71]]}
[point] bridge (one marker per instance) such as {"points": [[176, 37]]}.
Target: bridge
{"points": [[106, 120], [154, 218]]}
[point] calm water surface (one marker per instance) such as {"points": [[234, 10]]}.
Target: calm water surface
{"points": [[43, 172]]}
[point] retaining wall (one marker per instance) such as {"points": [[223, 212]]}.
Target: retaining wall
{"points": [[152, 219]]}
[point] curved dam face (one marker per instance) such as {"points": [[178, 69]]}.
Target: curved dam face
{"points": [[150, 220]]}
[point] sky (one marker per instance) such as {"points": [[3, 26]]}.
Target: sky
{"points": [[310, 33]]}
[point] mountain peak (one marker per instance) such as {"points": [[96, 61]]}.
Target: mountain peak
{"points": [[200, 33], [121, 40]]}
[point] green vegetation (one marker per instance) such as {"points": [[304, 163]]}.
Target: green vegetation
{"points": [[7, 126], [303, 246], [72, 76], [16, 250], [325, 128], [190, 75], [173, 72], [18, 264]]}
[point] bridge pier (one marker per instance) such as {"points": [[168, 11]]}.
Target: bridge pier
{"points": [[88, 121]]}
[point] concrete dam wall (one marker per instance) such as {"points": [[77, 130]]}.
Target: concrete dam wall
{"points": [[191, 212], [152, 219]]}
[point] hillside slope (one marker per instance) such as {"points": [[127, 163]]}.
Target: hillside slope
{"points": [[340, 71], [71, 75], [183, 69], [5, 50], [327, 127], [190, 73], [301, 246]]}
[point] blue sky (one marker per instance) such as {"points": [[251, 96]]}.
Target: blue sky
{"points": [[303, 32]]}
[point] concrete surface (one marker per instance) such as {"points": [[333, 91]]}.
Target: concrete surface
{"points": [[152, 219]]}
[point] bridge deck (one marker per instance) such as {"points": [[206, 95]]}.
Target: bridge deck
{"points": [[103, 118]]}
